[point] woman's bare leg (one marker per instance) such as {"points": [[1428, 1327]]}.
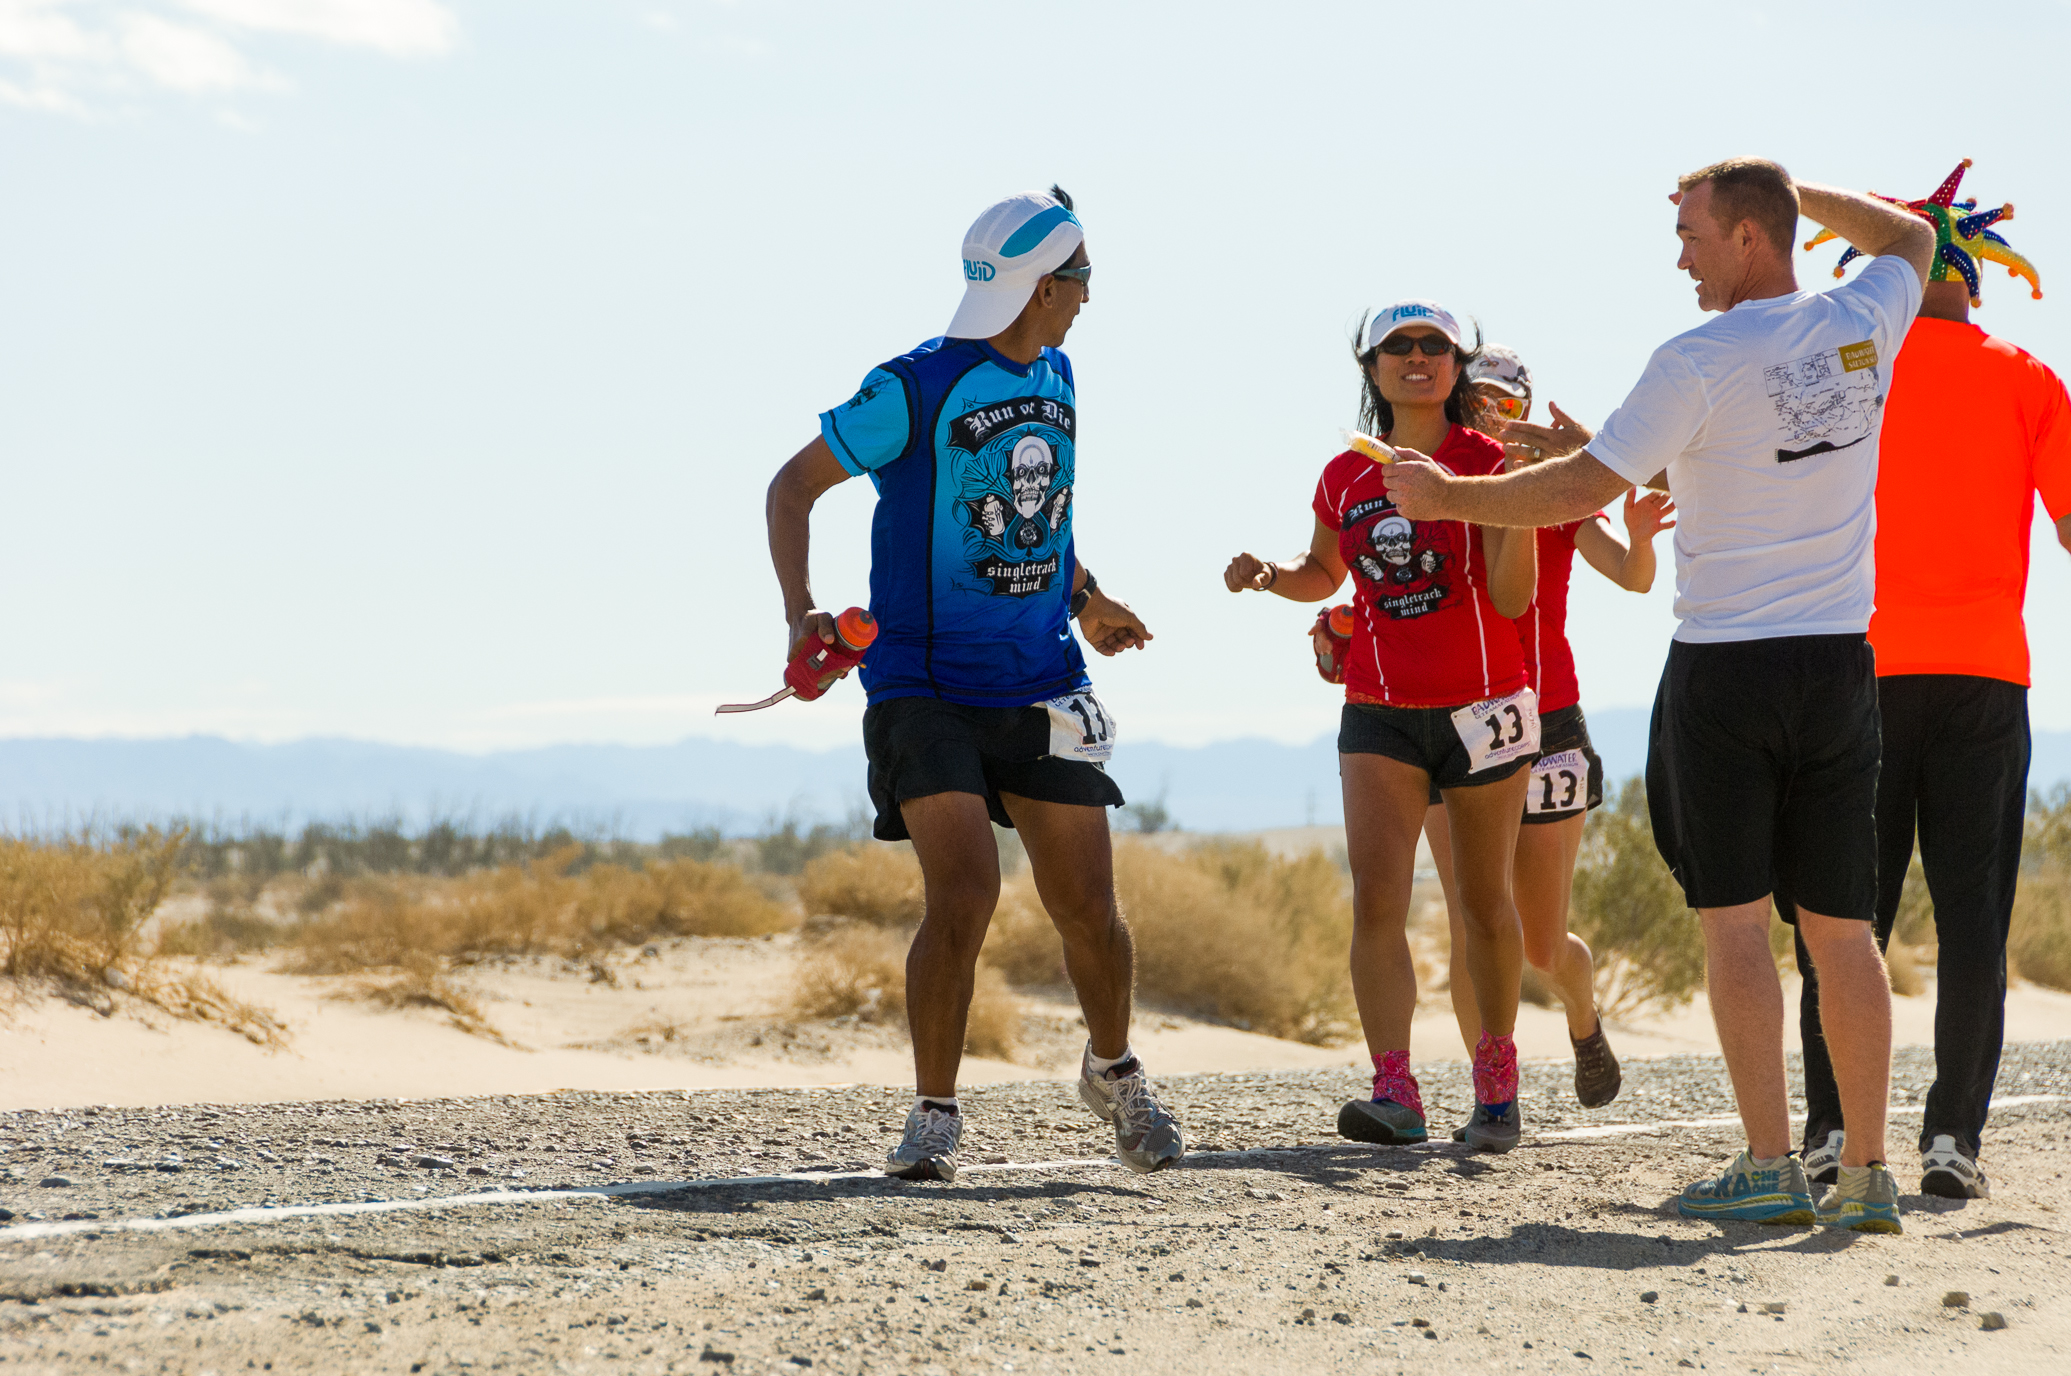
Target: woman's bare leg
{"points": [[1458, 980], [1384, 807], [1543, 876]]}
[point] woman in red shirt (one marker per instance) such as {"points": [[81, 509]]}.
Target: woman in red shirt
{"points": [[1567, 779], [1436, 693]]}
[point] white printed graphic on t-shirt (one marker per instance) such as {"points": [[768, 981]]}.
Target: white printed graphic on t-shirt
{"points": [[1826, 401]]}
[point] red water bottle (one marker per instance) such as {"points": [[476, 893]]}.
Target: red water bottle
{"points": [[1331, 635], [816, 666]]}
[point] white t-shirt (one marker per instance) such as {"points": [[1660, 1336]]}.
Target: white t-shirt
{"points": [[1766, 418]]}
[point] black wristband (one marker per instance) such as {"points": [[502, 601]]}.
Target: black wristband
{"points": [[1084, 595]]}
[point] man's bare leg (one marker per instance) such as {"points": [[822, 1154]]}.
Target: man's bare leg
{"points": [[960, 871], [1855, 1012], [1072, 859], [1747, 1007]]}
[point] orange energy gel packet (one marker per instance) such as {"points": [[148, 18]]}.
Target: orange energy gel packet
{"points": [[1366, 444]]}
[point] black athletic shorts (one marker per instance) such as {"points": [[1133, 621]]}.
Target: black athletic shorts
{"points": [[1566, 787], [922, 746], [1762, 772], [1422, 736]]}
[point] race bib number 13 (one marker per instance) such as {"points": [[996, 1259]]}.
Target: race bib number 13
{"points": [[1560, 783], [1499, 730], [1080, 727]]}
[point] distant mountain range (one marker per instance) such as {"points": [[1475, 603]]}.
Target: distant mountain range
{"points": [[646, 791]]}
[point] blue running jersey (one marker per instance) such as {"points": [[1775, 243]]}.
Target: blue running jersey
{"points": [[971, 561]]}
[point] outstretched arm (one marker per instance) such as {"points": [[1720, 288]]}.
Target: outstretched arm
{"points": [[1631, 566], [1309, 577], [1874, 227], [788, 510], [1545, 494]]}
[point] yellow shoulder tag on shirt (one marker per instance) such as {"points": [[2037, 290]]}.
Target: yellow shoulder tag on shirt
{"points": [[1856, 357]]}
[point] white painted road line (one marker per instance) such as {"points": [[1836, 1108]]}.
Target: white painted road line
{"points": [[1638, 1129], [30, 1232]]}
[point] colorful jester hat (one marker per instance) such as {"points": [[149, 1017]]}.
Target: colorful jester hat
{"points": [[1962, 235]]}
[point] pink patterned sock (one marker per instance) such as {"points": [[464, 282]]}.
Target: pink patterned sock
{"points": [[1392, 1080], [1495, 1070]]}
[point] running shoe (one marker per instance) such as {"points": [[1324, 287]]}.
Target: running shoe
{"points": [[1863, 1200], [1381, 1121], [1597, 1077], [1823, 1162], [1751, 1193], [928, 1151], [1147, 1138], [1487, 1132], [1947, 1172], [1460, 1132]]}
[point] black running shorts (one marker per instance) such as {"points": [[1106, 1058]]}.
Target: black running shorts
{"points": [[1762, 772], [918, 747], [1422, 736]]}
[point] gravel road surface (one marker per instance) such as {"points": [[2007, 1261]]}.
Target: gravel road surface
{"points": [[638, 1232]]}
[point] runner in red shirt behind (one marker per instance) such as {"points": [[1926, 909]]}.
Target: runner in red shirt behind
{"points": [[1567, 779], [1436, 694]]}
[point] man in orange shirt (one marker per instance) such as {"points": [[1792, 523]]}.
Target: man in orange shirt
{"points": [[1952, 678]]}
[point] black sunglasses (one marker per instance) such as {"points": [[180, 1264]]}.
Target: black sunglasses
{"points": [[1433, 345], [1082, 275]]}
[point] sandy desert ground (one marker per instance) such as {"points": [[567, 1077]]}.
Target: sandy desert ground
{"points": [[740, 1231]]}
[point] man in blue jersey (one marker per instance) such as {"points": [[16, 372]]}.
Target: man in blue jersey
{"points": [[980, 707]]}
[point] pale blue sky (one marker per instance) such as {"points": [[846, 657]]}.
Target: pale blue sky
{"points": [[413, 371]]}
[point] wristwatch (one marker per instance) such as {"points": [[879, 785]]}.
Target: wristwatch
{"points": [[1084, 595]]}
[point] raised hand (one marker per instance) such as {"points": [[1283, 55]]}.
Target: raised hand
{"points": [[1647, 516], [1248, 573], [1556, 441]]}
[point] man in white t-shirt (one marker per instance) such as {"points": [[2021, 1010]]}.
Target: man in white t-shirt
{"points": [[1762, 762]]}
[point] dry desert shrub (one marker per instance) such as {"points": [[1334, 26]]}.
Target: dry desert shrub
{"points": [[1649, 947], [1902, 966], [1230, 931], [874, 882], [1022, 944], [73, 912], [2038, 946], [857, 969]]}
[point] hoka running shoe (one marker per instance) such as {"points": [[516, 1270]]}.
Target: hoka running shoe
{"points": [[1597, 1077], [1863, 1200], [1751, 1193], [1147, 1138], [1823, 1162], [1947, 1172], [1487, 1132], [928, 1151], [1382, 1121]]}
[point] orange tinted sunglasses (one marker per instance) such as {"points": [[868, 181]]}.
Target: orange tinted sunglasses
{"points": [[1510, 408]]}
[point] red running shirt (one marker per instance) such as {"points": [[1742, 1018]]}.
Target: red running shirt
{"points": [[1542, 632], [1426, 634]]}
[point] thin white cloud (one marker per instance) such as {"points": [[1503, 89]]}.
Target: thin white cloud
{"points": [[184, 59], [400, 28], [73, 56]]}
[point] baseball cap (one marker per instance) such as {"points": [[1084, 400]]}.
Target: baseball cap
{"points": [[1006, 252], [1402, 314], [1502, 369]]}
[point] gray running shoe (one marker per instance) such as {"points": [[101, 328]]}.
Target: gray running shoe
{"points": [[1460, 1132], [1823, 1162], [1864, 1199], [1146, 1136], [1486, 1132], [928, 1151], [1597, 1077], [1948, 1173], [1380, 1120]]}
